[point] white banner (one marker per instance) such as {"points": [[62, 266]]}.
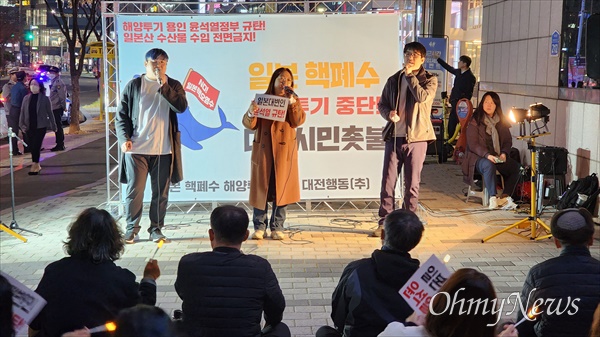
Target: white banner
{"points": [[340, 65]]}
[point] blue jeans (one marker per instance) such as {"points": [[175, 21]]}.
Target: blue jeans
{"points": [[509, 170], [259, 218]]}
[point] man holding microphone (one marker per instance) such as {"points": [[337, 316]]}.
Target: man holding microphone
{"points": [[406, 106], [148, 133]]}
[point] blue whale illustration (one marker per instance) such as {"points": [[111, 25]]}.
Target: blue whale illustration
{"points": [[192, 132]]}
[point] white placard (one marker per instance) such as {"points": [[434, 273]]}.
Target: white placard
{"points": [[271, 107], [425, 283], [26, 303], [227, 59]]}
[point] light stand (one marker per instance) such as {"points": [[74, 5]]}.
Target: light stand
{"points": [[535, 112], [532, 219], [13, 224]]}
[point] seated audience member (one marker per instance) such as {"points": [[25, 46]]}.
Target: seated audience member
{"points": [[488, 145], [568, 284], [139, 321], [463, 285], [366, 298], [225, 291], [87, 288], [6, 304]]}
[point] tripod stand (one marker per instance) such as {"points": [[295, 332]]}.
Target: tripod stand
{"points": [[13, 224], [532, 219]]}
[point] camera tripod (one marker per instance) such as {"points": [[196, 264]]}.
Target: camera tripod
{"points": [[13, 224], [534, 221]]}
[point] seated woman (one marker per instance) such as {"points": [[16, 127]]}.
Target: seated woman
{"points": [[87, 288], [488, 144], [441, 321]]}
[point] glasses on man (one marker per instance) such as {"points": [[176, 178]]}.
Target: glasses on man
{"points": [[410, 54]]}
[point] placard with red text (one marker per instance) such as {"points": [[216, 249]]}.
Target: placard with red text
{"points": [[271, 107], [425, 283], [26, 303]]}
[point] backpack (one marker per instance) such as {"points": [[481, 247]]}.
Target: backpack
{"points": [[588, 186]]}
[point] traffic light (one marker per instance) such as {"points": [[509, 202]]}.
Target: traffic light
{"points": [[28, 35]]}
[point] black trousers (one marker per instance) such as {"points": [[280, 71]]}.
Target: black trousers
{"points": [[13, 122], [452, 121], [36, 138], [60, 133]]}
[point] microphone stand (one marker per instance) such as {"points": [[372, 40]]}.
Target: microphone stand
{"points": [[13, 224]]}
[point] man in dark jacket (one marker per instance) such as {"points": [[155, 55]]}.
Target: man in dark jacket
{"points": [[225, 291], [58, 100], [567, 286], [17, 92], [366, 299], [147, 129], [464, 82]]}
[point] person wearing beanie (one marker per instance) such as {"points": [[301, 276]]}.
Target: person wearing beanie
{"points": [[567, 286]]}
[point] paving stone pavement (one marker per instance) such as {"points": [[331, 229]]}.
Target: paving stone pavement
{"points": [[318, 245]]}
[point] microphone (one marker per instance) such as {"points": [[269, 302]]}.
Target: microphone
{"points": [[157, 74], [289, 90]]}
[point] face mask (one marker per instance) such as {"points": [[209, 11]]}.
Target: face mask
{"points": [[51, 76], [34, 89]]}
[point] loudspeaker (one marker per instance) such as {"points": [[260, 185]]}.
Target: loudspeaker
{"points": [[592, 47], [437, 147], [552, 160]]}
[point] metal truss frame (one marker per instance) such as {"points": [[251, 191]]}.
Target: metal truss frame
{"points": [[112, 9]]}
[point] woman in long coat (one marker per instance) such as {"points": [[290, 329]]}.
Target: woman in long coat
{"points": [[488, 144], [274, 172], [36, 117]]}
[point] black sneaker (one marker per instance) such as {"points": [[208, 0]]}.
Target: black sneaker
{"points": [[156, 235], [58, 148]]}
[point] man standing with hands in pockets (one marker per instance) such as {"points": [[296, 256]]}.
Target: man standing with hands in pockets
{"points": [[148, 132], [406, 105]]}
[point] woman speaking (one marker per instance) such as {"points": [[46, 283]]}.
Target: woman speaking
{"points": [[274, 172]]}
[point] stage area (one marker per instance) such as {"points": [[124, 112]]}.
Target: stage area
{"points": [[310, 260]]}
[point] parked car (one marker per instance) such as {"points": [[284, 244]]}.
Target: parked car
{"points": [[66, 117]]}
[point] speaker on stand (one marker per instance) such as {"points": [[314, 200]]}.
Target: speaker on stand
{"points": [[437, 147]]}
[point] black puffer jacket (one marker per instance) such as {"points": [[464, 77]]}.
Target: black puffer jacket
{"points": [[367, 299], [575, 274], [224, 293]]}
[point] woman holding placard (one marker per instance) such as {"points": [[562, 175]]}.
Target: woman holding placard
{"points": [[274, 165]]}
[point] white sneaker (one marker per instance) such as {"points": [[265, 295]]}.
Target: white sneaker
{"points": [[258, 235], [493, 203], [509, 205]]}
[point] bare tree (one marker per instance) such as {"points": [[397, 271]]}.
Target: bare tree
{"points": [[77, 34], [11, 30]]}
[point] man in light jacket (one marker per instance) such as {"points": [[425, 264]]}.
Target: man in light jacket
{"points": [[406, 106]]}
